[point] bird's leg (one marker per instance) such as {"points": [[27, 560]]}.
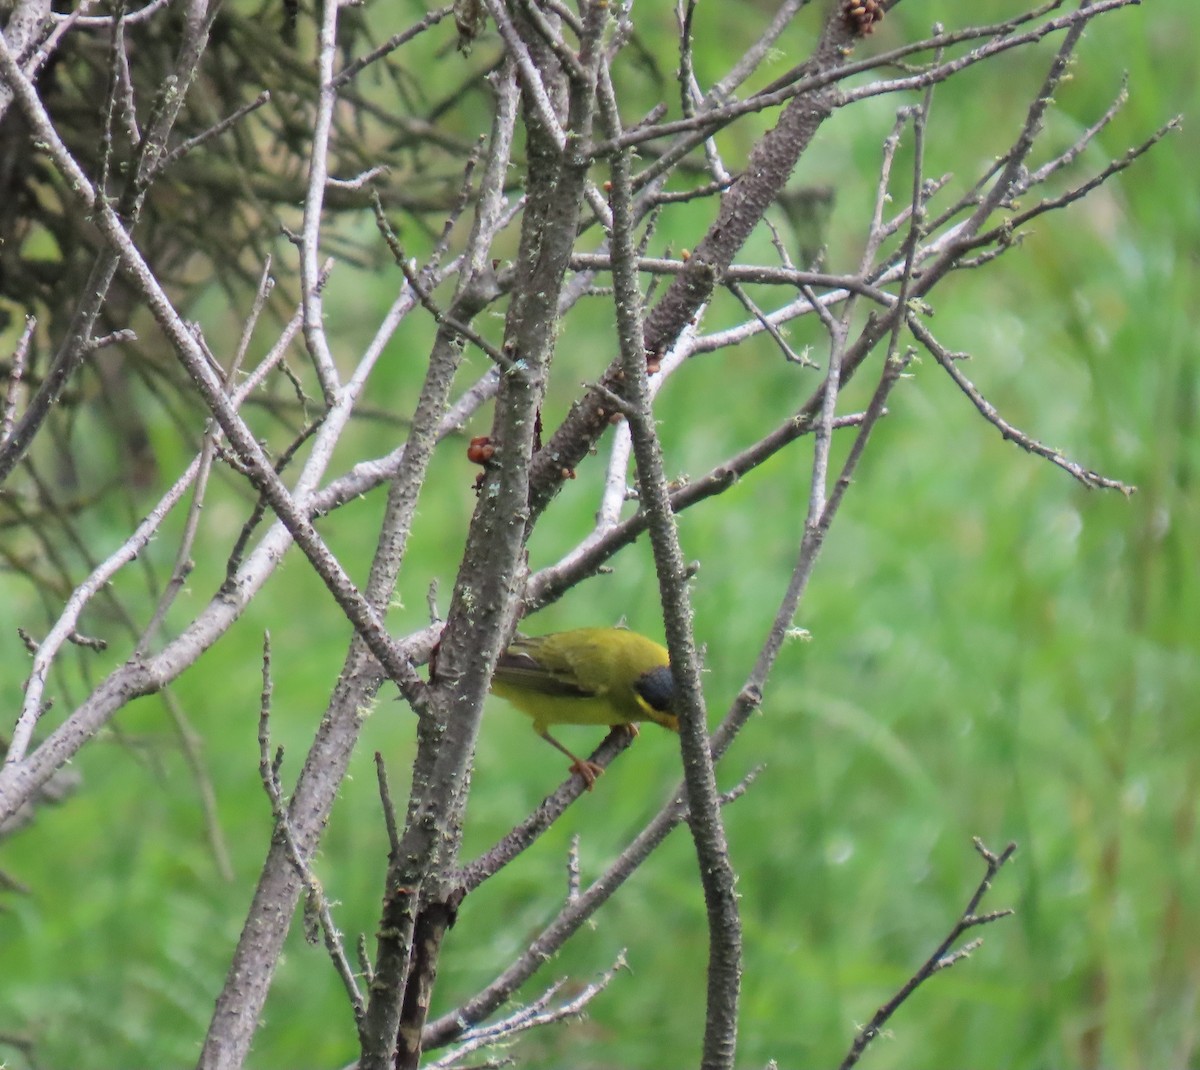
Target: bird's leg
{"points": [[587, 770], [630, 728]]}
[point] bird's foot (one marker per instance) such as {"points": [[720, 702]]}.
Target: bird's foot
{"points": [[588, 771]]}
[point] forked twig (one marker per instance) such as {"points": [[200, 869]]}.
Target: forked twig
{"points": [[943, 957]]}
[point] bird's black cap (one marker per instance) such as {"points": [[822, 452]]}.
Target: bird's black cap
{"points": [[657, 687]]}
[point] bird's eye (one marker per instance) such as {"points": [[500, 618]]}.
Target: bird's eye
{"points": [[657, 688]]}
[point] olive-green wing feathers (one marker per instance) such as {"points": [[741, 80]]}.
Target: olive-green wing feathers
{"points": [[532, 664]]}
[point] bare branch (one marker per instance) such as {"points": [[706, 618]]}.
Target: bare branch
{"points": [[268, 771], [708, 833], [949, 363], [16, 371], [537, 1013], [941, 958]]}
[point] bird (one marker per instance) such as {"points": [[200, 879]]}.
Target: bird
{"points": [[600, 676]]}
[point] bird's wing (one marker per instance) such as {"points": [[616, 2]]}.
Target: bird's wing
{"points": [[533, 668]]}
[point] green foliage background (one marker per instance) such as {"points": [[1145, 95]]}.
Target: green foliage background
{"points": [[994, 651]]}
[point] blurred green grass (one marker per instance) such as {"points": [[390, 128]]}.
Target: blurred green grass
{"points": [[994, 652]]}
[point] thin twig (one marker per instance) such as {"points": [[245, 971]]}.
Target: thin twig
{"points": [[537, 1013], [268, 771], [385, 800], [390, 45], [15, 372], [941, 957], [949, 363]]}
